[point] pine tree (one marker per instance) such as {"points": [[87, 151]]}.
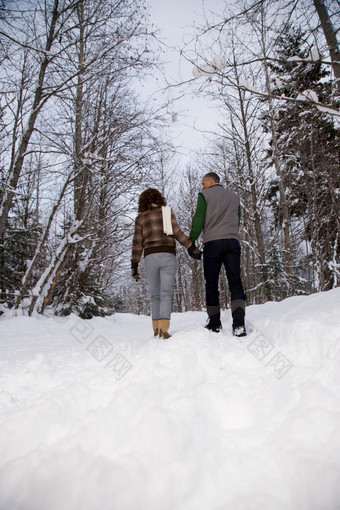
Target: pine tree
{"points": [[16, 248], [309, 153]]}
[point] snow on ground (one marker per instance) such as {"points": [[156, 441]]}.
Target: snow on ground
{"points": [[100, 415]]}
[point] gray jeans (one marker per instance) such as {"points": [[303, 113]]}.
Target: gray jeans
{"points": [[161, 271]]}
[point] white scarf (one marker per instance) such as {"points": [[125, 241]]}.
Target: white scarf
{"points": [[167, 225]]}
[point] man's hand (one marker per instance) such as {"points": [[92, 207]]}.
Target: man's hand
{"points": [[194, 252]]}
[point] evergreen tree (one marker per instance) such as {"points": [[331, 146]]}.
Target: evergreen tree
{"points": [[309, 153], [16, 248]]}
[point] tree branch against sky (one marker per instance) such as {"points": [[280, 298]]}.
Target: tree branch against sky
{"points": [[209, 54], [95, 107]]}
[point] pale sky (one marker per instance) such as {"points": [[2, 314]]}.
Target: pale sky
{"points": [[175, 19]]}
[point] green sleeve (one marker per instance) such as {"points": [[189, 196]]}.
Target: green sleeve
{"points": [[198, 219]]}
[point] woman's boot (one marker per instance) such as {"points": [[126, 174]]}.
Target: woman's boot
{"points": [[163, 328], [155, 327]]}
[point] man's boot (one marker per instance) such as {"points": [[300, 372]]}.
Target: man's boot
{"points": [[238, 314], [214, 323], [155, 327], [163, 325]]}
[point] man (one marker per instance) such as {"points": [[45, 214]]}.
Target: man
{"points": [[218, 215]]}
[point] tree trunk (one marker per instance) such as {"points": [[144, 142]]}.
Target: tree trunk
{"points": [[330, 36], [41, 244], [283, 199], [254, 200], [81, 173]]}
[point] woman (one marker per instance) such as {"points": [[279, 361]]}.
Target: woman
{"points": [[160, 255]]}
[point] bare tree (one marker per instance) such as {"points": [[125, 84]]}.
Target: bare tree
{"points": [[98, 139], [39, 52], [190, 293], [253, 28]]}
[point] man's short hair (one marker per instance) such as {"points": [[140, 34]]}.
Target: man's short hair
{"points": [[213, 176]]}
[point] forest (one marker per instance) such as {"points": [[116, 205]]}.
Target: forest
{"points": [[79, 143]]}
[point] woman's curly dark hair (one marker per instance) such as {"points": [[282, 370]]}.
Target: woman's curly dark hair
{"points": [[149, 198]]}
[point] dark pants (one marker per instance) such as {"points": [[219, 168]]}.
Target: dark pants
{"points": [[216, 253]]}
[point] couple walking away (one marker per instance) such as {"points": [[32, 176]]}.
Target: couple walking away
{"points": [[156, 229]]}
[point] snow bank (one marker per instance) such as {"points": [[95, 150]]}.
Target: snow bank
{"points": [[99, 414]]}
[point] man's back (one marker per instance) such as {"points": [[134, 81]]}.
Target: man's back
{"points": [[222, 213]]}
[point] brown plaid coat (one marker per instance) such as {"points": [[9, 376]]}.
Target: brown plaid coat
{"points": [[149, 235]]}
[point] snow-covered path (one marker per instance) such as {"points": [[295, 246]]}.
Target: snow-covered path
{"points": [[99, 415]]}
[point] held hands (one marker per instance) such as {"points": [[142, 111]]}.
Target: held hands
{"points": [[134, 273], [194, 252]]}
